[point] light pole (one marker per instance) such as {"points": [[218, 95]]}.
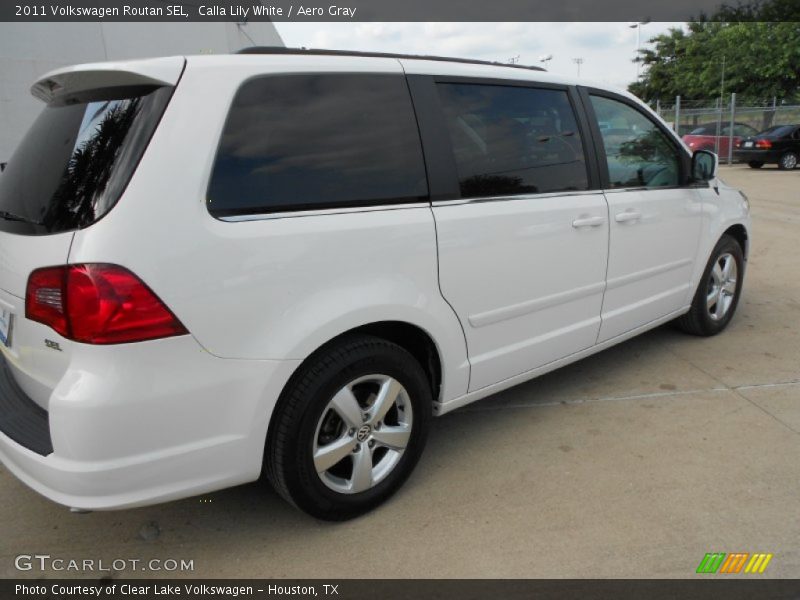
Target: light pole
{"points": [[545, 59], [638, 27], [578, 61]]}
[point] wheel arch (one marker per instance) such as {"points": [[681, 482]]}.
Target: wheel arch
{"points": [[739, 233], [417, 340], [411, 337]]}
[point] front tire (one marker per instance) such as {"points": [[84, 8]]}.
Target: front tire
{"points": [[719, 290], [788, 161], [349, 428]]}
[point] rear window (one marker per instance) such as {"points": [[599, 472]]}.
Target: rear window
{"points": [[295, 142], [778, 131], [76, 159]]}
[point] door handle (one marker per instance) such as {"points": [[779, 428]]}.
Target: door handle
{"points": [[628, 215], [588, 222]]}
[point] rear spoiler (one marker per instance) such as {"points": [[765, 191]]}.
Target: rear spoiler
{"points": [[80, 78]]}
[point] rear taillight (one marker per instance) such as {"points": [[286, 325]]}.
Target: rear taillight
{"points": [[98, 304], [765, 144]]}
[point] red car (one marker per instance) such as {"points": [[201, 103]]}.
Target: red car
{"points": [[704, 137]]}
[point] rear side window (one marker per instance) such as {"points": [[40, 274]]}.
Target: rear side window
{"points": [[77, 158], [513, 140], [295, 142]]}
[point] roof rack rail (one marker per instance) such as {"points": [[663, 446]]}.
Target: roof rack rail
{"points": [[322, 52]]}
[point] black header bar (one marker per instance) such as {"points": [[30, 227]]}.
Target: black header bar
{"points": [[376, 10]]}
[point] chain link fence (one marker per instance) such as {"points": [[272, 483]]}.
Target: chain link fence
{"points": [[719, 124]]}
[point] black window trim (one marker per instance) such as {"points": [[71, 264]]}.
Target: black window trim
{"points": [[685, 159], [239, 215], [437, 147]]}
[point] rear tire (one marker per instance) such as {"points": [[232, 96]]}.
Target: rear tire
{"points": [[788, 161], [719, 290], [755, 164], [349, 428]]}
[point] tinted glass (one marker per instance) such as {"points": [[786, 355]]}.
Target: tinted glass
{"points": [[741, 130], [75, 162], [704, 130], [639, 154], [296, 142], [513, 140], [777, 131]]}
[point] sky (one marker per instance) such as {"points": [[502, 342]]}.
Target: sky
{"points": [[607, 49]]}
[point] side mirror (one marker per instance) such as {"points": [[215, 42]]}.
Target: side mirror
{"points": [[704, 165], [3, 167]]}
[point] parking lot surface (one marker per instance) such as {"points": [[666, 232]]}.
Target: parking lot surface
{"points": [[632, 463]]}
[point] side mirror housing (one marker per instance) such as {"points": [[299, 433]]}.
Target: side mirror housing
{"points": [[704, 165]]}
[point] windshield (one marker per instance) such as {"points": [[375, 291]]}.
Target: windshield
{"points": [[75, 161]]}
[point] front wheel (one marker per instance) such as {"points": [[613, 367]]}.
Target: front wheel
{"points": [[718, 294], [349, 428]]}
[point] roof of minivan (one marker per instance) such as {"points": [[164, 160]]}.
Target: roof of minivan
{"points": [[326, 59], [326, 52], [412, 64], [420, 64]]}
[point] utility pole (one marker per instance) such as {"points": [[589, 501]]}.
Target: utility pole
{"points": [[578, 61], [638, 26]]}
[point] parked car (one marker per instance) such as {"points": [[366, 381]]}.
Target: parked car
{"points": [[777, 145], [705, 137], [286, 262]]}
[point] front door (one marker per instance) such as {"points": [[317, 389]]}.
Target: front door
{"points": [[655, 217]]}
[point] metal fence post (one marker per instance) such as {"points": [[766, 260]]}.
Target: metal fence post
{"points": [[774, 110], [677, 115], [730, 132]]}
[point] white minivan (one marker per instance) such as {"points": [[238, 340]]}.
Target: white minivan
{"points": [[284, 262]]}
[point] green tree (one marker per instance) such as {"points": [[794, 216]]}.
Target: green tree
{"points": [[762, 57]]}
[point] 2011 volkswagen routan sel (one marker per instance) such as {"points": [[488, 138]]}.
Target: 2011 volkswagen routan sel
{"points": [[285, 262]]}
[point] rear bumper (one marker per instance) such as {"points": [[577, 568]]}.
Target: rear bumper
{"points": [[766, 156], [142, 423], [21, 419]]}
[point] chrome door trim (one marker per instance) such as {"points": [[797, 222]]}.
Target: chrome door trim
{"points": [[460, 201]]}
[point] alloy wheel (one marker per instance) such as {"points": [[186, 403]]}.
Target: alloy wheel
{"points": [[362, 434], [722, 286]]}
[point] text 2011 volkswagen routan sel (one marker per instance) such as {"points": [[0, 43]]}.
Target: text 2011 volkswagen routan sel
{"points": [[285, 262]]}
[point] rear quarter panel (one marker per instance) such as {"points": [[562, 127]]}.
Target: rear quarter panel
{"points": [[275, 288]]}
